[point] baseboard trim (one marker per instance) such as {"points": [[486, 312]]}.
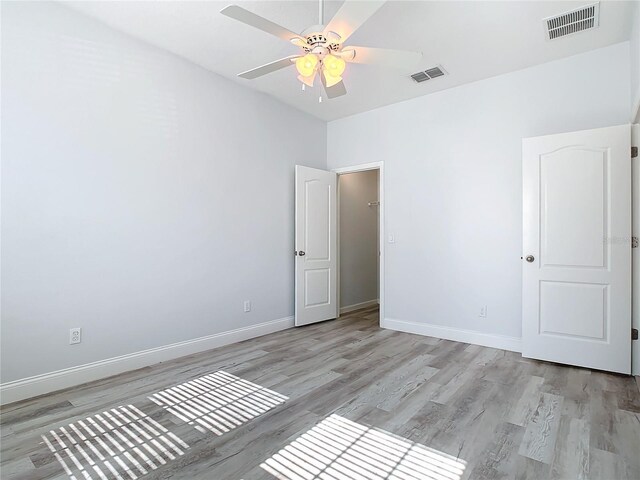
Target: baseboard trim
{"points": [[70, 377], [358, 306], [502, 342]]}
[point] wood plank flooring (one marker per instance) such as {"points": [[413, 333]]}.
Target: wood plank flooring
{"points": [[338, 400]]}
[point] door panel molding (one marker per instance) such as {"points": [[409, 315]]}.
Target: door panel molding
{"points": [[584, 308], [596, 189]]}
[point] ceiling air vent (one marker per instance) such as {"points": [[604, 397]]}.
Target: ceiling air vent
{"points": [[575, 21], [428, 74]]}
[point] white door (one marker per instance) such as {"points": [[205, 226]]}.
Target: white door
{"points": [[316, 245], [576, 270]]}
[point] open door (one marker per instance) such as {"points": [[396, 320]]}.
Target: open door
{"points": [[316, 292], [576, 271]]}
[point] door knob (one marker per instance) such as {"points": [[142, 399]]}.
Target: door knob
{"points": [[530, 258], [301, 253]]}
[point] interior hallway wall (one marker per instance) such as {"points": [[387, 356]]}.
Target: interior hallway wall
{"points": [[359, 238]]}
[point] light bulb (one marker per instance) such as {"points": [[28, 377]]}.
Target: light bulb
{"points": [[306, 65], [333, 65]]}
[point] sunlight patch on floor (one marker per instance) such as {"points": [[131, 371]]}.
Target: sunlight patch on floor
{"points": [[121, 443], [218, 402], [338, 448]]}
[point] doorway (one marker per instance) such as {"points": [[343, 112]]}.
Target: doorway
{"points": [[359, 262], [317, 252], [360, 238]]}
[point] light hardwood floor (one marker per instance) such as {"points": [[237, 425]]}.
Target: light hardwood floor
{"points": [[337, 400]]}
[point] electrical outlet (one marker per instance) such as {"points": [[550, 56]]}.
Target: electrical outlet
{"points": [[75, 335], [247, 306], [483, 311]]}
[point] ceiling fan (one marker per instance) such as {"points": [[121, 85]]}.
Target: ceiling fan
{"points": [[323, 52]]}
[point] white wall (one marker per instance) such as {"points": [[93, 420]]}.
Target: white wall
{"points": [[143, 198], [358, 238], [453, 184]]}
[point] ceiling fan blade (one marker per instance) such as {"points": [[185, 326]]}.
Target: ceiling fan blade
{"points": [[299, 42], [334, 91], [256, 21], [268, 68], [351, 15], [400, 59]]}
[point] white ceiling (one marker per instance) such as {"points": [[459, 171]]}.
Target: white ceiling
{"points": [[471, 40]]}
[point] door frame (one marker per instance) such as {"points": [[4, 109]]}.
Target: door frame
{"points": [[635, 253], [363, 167]]}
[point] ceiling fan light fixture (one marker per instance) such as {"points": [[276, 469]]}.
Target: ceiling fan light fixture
{"points": [[333, 65], [307, 80], [330, 80], [322, 46], [306, 65]]}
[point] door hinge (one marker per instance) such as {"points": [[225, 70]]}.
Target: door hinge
{"points": [[634, 242], [634, 152], [634, 334]]}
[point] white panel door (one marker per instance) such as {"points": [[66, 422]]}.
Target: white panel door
{"points": [[316, 243], [576, 272]]}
